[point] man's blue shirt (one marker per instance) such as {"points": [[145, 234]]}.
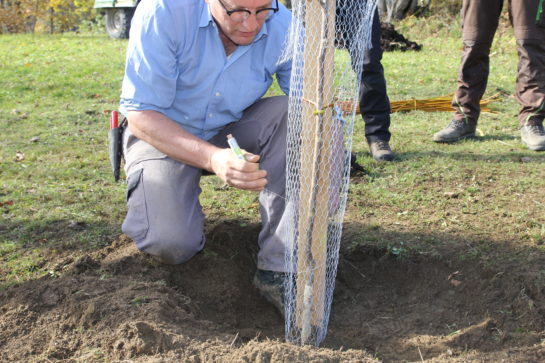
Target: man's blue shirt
{"points": [[176, 65]]}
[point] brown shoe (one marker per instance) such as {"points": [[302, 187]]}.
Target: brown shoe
{"points": [[380, 150]]}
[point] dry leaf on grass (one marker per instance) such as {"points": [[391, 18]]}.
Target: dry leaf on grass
{"points": [[19, 156]]}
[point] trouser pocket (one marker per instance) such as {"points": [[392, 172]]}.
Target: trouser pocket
{"points": [[136, 222]]}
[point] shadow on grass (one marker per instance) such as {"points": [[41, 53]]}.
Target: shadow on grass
{"points": [[500, 157], [494, 137], [443, 152], [59, 234]]}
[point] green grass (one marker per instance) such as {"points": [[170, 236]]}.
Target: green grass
{"points": [[475, 192], [56, 93], [55, 96]]}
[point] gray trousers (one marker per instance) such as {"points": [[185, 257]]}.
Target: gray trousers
{"points": [[164, 216]]}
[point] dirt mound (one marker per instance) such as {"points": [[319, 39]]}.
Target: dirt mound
{"points": [[391, 40], [119, 304]]}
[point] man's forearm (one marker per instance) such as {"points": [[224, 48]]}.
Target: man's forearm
{"points": [[170, 138]]}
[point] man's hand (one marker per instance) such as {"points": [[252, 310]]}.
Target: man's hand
{"points": [[241, 174], [171, 139]]}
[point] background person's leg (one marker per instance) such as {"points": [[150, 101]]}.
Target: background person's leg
{"points": [[373, 99], [530, 90], [530, 85], [479, 23], [374, 102]]}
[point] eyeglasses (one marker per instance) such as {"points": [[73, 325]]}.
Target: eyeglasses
{"points": [[241, 15]]}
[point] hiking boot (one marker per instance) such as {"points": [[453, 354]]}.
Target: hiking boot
{"points": [[271, 286], [380, 150], [455, 131], [533, 136]]}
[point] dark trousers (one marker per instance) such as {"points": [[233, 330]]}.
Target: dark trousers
{"points": [[374, 102], [479, 24]]}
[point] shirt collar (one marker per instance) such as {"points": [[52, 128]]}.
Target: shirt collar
{"points": [[206, 16], [207, 19]]}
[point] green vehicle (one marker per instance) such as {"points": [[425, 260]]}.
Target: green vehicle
{"points": [[118, 15]]}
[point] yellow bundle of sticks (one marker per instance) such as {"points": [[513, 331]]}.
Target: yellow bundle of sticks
{"points": [[442, 103], [436, 104]]}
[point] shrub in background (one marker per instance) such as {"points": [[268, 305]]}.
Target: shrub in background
{"points": [[44, 16], [57, 16]]}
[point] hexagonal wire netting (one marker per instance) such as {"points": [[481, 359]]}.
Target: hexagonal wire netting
{"points": [[327, 44]]}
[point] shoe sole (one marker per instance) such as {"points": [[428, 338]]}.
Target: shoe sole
{"points": [[533, 147], [448, 141], [384, 159]]}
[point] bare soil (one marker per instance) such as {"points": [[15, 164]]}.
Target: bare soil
{"points": [[118, 304]]}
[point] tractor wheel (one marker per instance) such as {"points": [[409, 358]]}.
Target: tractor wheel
{"points": [[118, 22]]}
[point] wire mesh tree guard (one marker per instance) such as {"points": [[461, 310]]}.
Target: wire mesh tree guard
{"points": [[327, 44]]}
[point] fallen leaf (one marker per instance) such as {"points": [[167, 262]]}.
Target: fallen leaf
{"points": [[453, 274], [19, 156]]}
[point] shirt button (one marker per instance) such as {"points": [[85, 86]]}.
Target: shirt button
{"points": [[218, 94], [210, 115]]}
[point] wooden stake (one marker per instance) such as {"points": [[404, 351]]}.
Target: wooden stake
{"points": [[316, 133]]}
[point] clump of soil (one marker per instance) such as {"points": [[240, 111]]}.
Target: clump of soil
{"points": [[119, 304], [391, 40]]}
